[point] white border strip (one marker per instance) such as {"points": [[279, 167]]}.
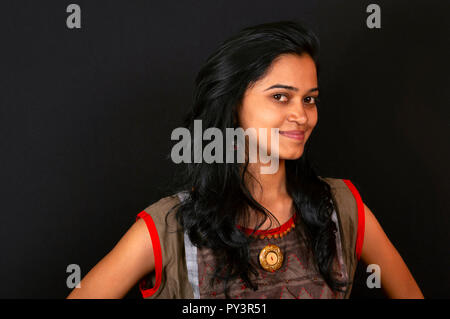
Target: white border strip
{"points": [[191, 258]]}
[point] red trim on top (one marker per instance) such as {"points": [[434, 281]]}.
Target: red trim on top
{"points": [[272, 231], [156, 251], [361, 221]]}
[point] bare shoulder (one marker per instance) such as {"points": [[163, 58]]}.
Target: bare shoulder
{"points": [[141, 238], [136, 248], [374, 234], [129, 260], [117, 272], [396, 279]]}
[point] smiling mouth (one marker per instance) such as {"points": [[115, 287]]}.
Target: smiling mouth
{"points": [[296, 135]]}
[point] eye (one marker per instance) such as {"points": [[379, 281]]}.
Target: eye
{"points": [[311, 99], [278, 97]]}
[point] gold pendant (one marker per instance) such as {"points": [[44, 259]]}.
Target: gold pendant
{"points": [[271, 258]]}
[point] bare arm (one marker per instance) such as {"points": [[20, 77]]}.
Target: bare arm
{"points": [[121, 268], [396, 279]]}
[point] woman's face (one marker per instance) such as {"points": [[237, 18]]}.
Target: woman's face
{"points": [[285, 99]]}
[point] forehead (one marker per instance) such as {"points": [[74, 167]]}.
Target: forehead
{"points": [[290, 69]]}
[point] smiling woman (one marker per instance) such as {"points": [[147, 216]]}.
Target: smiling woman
{"points": [[290, 106], [213, 236]]}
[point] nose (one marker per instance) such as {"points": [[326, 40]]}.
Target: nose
{"points": [[298, 114]]}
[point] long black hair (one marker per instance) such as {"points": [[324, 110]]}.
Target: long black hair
{"points": [[217, 196]]}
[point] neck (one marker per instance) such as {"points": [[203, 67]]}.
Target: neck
{"points": [[267, 187], [270, 191]]}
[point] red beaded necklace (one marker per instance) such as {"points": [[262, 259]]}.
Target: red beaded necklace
{"points": [[271, 233]]}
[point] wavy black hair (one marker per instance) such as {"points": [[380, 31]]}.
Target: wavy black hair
{"points": [[218, 196]]}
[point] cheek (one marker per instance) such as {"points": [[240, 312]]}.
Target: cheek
{"points": [[312, 119], [258, 114]]}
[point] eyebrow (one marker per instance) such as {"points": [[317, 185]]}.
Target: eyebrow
{"points": [[288, 87]]}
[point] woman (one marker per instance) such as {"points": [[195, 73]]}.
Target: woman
{"points": [[229, 231]]}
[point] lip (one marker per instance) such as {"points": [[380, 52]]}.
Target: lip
{"points": [[297, 135]]}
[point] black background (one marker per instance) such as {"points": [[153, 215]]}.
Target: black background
{"points": [[86, 116]]}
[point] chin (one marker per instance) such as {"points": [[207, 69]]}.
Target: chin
{"points": [[291, 155]]}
